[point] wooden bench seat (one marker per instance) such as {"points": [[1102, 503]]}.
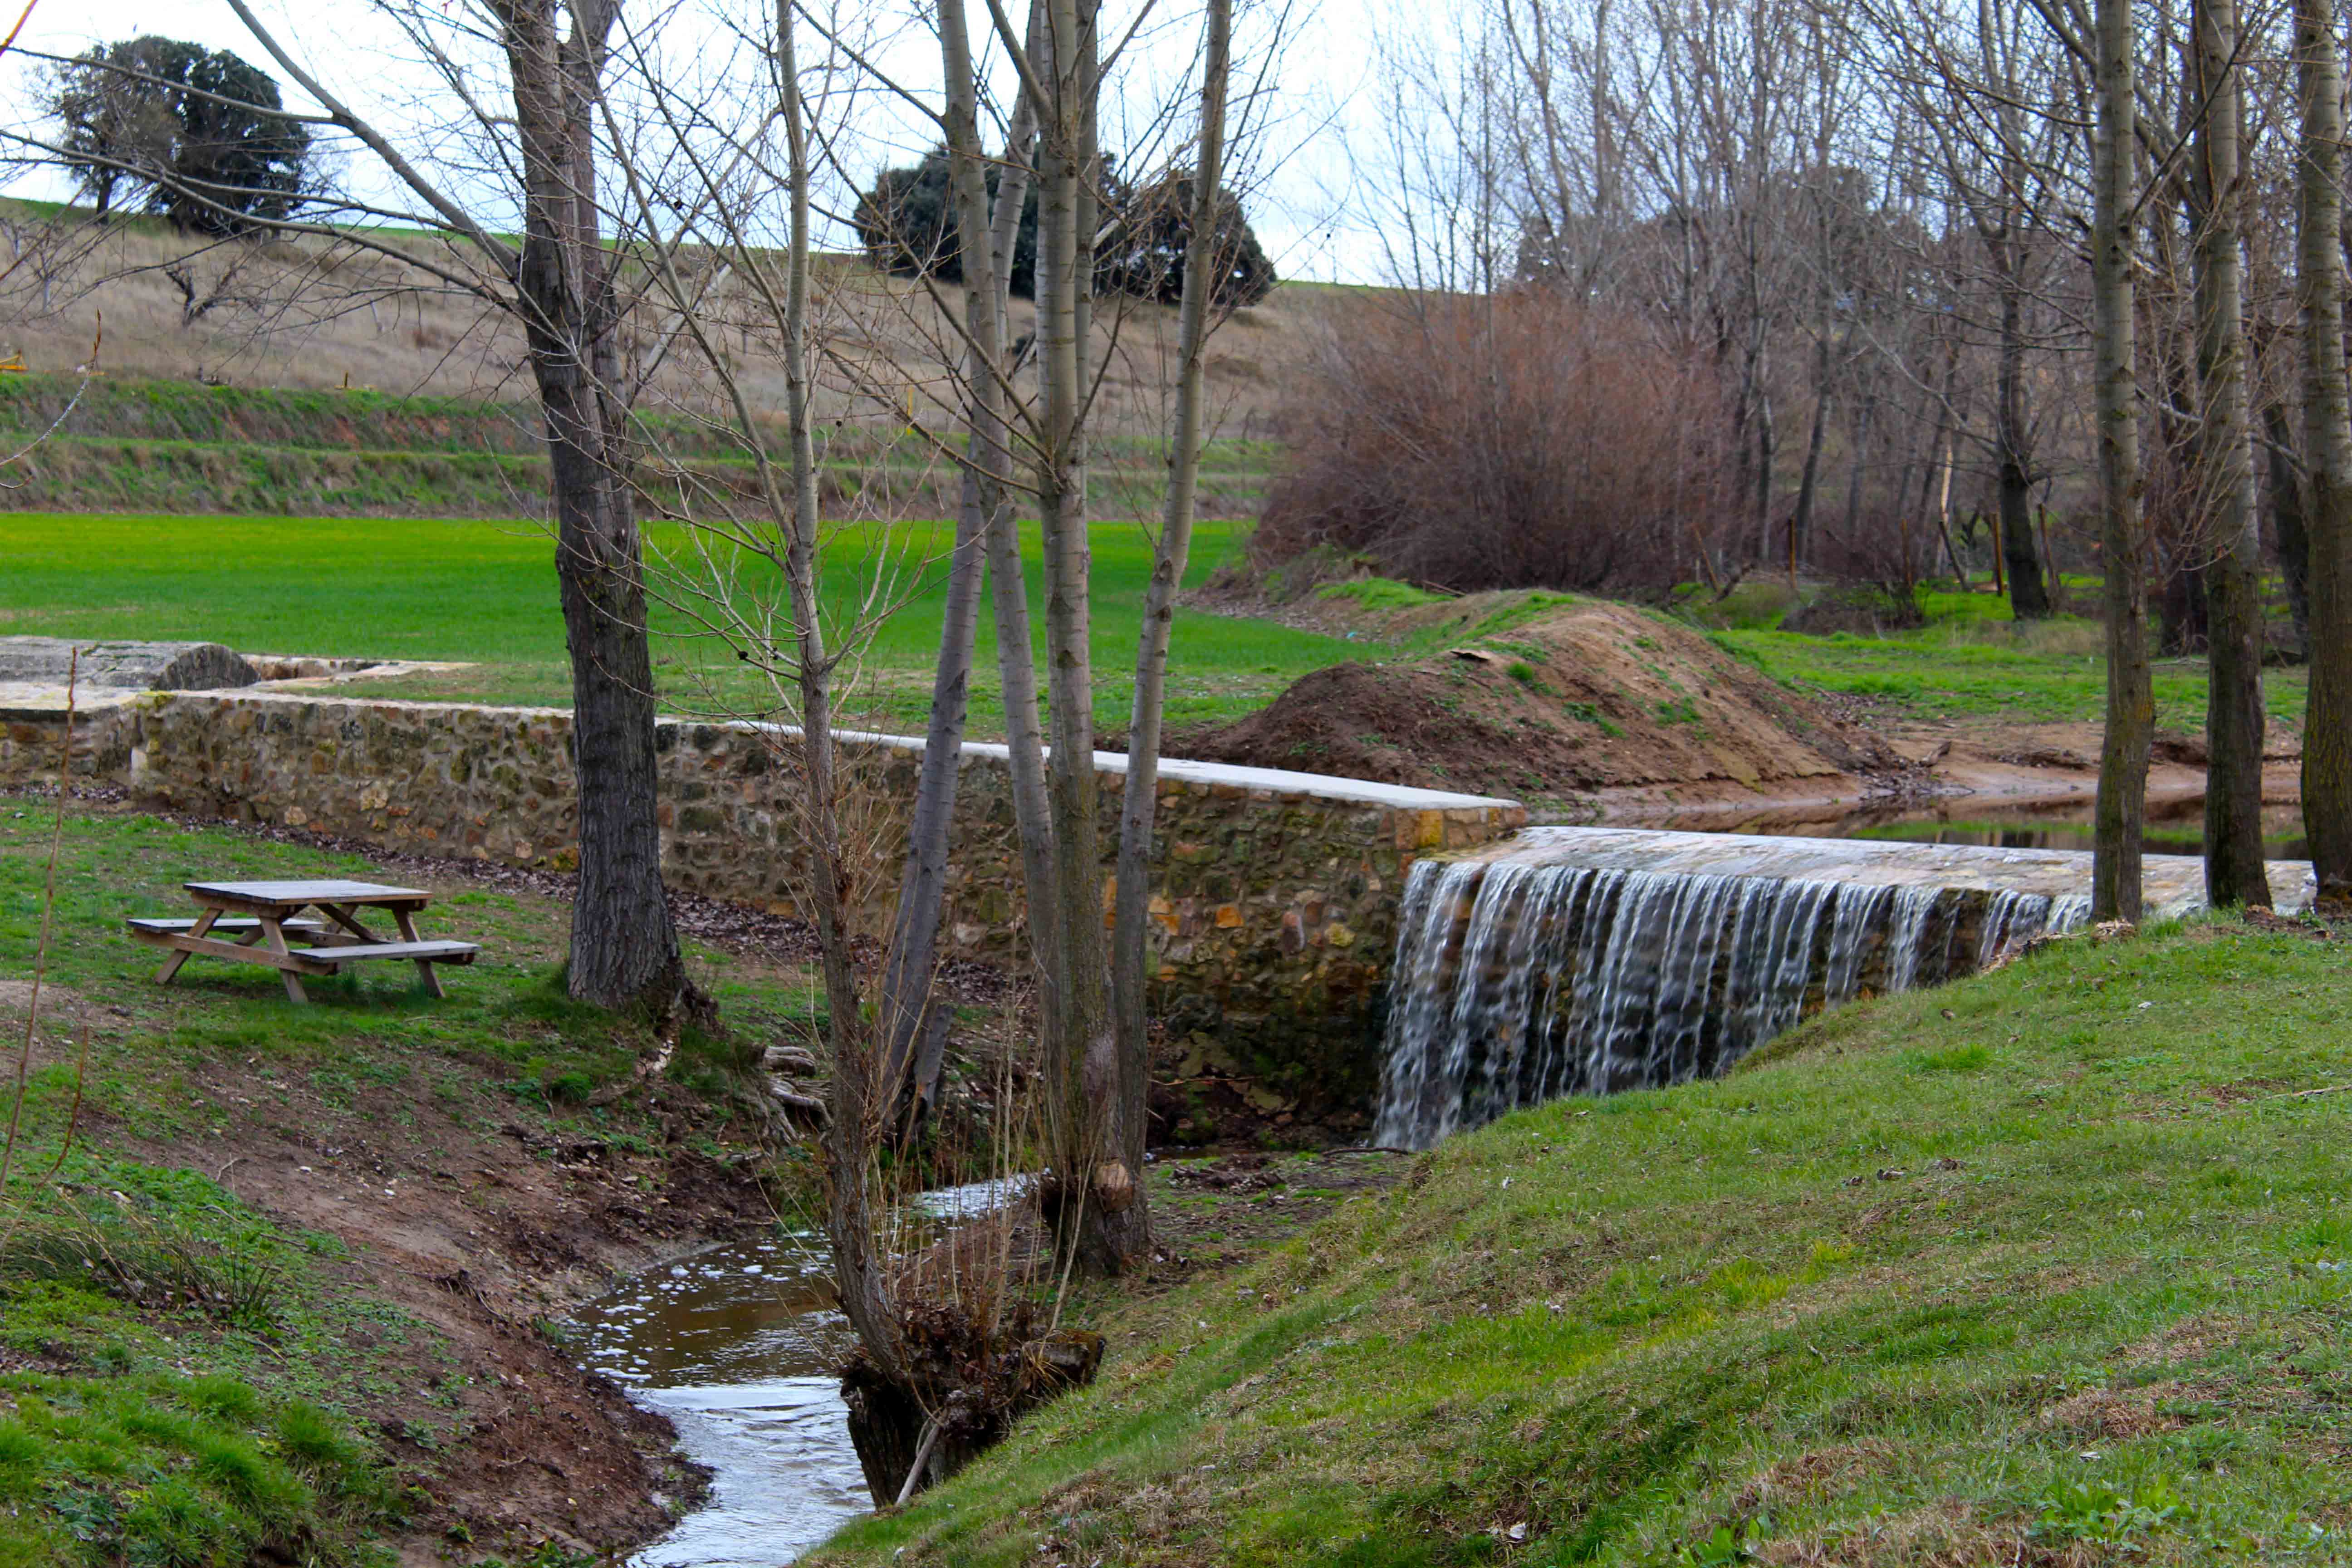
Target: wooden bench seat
{"points": [[153, 925], [363, 952]]}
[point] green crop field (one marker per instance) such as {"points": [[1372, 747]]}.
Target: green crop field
{"points": [[484, 593]]}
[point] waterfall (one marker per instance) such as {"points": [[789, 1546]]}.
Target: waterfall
{"points": [[1518, 980]]}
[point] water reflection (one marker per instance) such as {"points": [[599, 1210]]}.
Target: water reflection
{"points": [[2174, 827], [2173, 831], [737, 1346]]}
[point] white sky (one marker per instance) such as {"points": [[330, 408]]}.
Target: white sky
{"points": [[1303, 211]]}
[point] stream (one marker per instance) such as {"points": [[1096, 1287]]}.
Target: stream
{"points": [[737, 1346]]}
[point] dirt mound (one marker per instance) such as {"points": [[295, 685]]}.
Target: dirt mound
{"points": [[1573, 701]]}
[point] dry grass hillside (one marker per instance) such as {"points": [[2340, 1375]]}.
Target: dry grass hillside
{"points": [[306, 314]]}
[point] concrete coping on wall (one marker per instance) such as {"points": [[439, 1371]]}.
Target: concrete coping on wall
{"points": [[1259, 783]]}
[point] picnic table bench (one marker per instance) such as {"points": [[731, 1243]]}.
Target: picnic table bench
{"points": [[267, 919]]}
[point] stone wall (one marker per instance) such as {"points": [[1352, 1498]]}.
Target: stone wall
{"points": [[1275, 893]]}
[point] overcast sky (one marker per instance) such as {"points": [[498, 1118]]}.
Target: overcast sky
{"points": [[1304, 212]]}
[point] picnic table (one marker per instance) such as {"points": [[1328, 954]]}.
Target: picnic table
{"points": [[267, 920]]}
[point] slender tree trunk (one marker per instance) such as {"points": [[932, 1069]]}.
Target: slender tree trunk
{"points": [[1801, 522], [1008, 586], [2014, 480], [2286, 522], [2327, 455], [2121, 817], [907, 1017], [1139, 805], [853, 1116], [1936, 490], [907, 1011], [623, 949], [1857, 465], [2234, 872], [1096, 1192], [1765, 447]]}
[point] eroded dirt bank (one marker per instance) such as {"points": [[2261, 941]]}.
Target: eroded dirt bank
{"points": [[487, 1235], [455, 1175], [1557, 706]]}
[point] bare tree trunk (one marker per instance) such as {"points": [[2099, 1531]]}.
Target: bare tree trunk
{"points": [[2013, 482], [2234, 872], [1139, 805], [624, 949], [1800, 522], [907, 1013], [1094, 1191], [2327, 455], [1858, 464], [1008, 586], [2122, 809], [851, 1120], [2286, 522]]}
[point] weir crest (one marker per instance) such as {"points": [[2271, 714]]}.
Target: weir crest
{"points": [[1589, 961]]}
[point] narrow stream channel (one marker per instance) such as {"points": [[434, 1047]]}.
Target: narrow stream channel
{"points": [[737, 1346]]}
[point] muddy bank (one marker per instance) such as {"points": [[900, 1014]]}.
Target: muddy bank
{"points": [[485, 1236]]}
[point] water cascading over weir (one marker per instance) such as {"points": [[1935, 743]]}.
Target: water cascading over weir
{"points": [[1587, 961]]}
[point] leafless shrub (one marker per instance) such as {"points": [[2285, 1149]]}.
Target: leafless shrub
{"points": [[1523, 440]]}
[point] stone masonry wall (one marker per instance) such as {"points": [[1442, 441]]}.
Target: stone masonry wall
{"points": [[1275, 894]]}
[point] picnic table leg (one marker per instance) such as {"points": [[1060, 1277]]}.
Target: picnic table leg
{"points": [[171, 965], [407, 925], [349, 920], [277, 939]]}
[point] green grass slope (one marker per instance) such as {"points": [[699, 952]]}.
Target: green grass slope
{"points": [[1971, 661], [2046, 1267]]}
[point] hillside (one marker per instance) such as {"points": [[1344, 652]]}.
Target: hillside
{"points": [[298, 314], [2047, 1267]]}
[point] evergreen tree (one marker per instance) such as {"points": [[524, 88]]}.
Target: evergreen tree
{"points": [[906, 223], [199, 134]]}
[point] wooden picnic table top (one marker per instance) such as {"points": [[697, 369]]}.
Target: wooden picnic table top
{"points": [[297, 895]]}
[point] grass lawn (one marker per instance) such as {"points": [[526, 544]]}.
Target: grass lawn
{"points": [[485, 593], [1971, 661], [2053, 1266], [183, 1380]]}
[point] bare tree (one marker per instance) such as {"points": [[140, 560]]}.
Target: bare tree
{"points": [[567, 287], [2234, 872], [910, 1030], [2121, 813], [1132, 883], [2327, 453]]}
